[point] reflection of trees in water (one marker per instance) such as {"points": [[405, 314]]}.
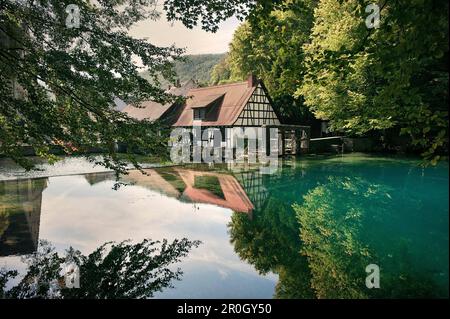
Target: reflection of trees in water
{"points": [[122, 270], [336, 219], [20, 211], [320, 249], [330, 225], [270, 241]]}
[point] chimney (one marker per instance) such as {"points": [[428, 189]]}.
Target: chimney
{"points": [[177, 83], [252, 80]]}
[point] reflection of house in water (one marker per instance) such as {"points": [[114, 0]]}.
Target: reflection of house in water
{"points": [[241, 189], [94, 178], [20, 213], [214, 188], [188, 185], [152, 181], [252, 182], [259, 187]]}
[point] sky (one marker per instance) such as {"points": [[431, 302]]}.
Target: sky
{"points": [[195, 41]]}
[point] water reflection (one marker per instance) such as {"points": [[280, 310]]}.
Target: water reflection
{"points": [[342, 224], [20, 212], [320, 228], [122, 270], [315, 224], [187, 185]]}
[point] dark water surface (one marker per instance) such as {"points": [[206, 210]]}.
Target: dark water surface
{"points": [[306, 231]]}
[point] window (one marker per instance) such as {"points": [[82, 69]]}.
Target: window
{"points": [[199, 114]]}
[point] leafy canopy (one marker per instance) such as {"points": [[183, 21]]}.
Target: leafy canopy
{"points": [[58, 84], [395, 76]]}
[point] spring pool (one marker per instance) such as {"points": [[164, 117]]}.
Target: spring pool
{"points": [[306, 231]]}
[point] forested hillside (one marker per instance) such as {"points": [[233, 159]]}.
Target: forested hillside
{"points": [[198, 67]]}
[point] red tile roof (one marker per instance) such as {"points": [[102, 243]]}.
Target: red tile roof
{"points": [[151, 110], [235, 97], [204, 101]]}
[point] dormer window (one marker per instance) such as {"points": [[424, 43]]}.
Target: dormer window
{"points": [[199, 113], [205, 104]]}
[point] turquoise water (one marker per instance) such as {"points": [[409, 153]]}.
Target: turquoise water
{"points": [[306, 231]]}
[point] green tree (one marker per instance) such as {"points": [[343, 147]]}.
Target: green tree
{"points": [[395, 76], [270, 45], [210, 13], [221, 73], [58, 83]]}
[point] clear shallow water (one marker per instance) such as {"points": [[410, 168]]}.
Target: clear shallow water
{"points": [[348, 212]]}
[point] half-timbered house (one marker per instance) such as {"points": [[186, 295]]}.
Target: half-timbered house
{"points": [[233, 108]]}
